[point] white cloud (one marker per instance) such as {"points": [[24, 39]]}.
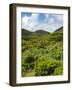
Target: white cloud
{"points": [[29, 22], [51, 23]]}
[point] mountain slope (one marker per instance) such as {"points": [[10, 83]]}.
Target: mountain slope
{"points": [[38, 32], [42, 55], [59, 29], [41, 32], [25, 32]]}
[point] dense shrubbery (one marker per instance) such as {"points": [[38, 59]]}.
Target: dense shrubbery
{"points": [[42, 55], [58, 71], [48, 67]]}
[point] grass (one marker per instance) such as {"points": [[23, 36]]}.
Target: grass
{"points": [[29, 73]]}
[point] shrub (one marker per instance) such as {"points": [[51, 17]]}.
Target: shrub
{"points": [[41, 68], [46, 67], [28, 62], [58, 71]]}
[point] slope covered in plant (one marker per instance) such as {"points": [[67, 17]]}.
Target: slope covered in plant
{"points": [[42, 53]]}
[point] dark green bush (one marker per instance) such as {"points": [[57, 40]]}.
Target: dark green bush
{"points": [[28, 62]]}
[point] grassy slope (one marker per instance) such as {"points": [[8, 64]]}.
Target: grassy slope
{"points": [[44, 47]]}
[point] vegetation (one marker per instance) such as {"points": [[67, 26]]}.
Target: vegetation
{"points": [[42, 53]]}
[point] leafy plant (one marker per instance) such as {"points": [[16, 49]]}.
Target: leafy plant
{"points": [[42, 53], [47, 67]]}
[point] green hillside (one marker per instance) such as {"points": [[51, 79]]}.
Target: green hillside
{"points": [[59, 29], [41, 32], [25, 32], [42, 53]]}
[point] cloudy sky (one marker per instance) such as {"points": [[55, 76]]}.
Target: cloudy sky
{"points": [[44, 21]]}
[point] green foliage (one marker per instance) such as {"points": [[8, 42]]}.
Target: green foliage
{"points": [[42, 53], [28, 62], [47, 67], [58, 71]]}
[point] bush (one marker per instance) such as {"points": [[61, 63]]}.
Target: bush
{"points": [[58, 71], [42, 55], [28, 62], [46, 67], [41, 68]]}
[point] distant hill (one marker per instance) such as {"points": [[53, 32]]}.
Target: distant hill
{"points": [[57, 35], [59, 29], [25, 32], [38, 32], [41, 32]]}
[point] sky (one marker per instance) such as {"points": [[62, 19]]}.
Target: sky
{"points": [[41, 21]]}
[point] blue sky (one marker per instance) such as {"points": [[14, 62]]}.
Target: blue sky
{"points": [[44, 21]]}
